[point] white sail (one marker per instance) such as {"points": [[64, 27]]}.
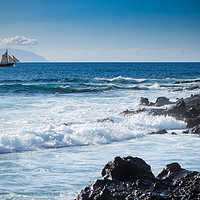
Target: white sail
{"points": [[5, 57], [10, 59], [15, 59]]}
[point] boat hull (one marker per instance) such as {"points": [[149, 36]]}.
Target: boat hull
{"points": [[6, 64]]}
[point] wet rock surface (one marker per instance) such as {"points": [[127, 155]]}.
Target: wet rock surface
{"points": [[160, 101], [194, 130], [187, 109], [163, 131], [131, 178]]}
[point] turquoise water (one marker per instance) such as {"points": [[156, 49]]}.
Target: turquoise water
{"points": [[42, 158]]}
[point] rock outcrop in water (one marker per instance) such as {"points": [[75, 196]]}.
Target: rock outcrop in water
{"points": [[131, 178], [187, 109], [160, 101]]}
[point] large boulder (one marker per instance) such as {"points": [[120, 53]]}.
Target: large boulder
{"points": [[131, 178], [127, 169]]}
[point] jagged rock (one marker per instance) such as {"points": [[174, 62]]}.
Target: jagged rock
{"points": [[144, 101], [127, 169], [173, 183], [161, 101], [195, 130], [158, 132], [178, 109], [171, 171], [187, 110]]}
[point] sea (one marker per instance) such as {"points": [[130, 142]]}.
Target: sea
{"points": [[60, 123]]}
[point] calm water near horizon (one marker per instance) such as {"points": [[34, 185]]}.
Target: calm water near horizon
{"points": [[60, 123]]}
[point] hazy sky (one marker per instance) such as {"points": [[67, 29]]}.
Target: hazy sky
{"points": [[103, 30]]}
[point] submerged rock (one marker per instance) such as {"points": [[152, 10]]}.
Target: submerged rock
{"points": [[131, 178]]}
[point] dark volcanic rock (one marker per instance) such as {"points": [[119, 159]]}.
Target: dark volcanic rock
{"points": [[160, 101], [144, 101], [127, 169], [171, 171], [179, 109], [131, 179], [158, 132], [187, 110], [191, 122], [173, 133], [195, 130]]}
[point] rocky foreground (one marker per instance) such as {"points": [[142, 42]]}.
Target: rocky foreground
{"points": [[131, 178]]}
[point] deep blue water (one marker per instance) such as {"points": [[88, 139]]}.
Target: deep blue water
{"points": [[58, 71], [51, 78], [38, 71]]}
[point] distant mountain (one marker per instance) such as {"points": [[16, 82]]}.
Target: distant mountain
{"points": [[24, 56]]}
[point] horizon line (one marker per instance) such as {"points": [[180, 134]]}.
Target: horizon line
{"points": [[104, 61]]}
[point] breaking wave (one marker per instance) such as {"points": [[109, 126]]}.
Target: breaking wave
{"points": [[87, 133]]}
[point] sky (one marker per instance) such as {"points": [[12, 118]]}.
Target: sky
{"points": [[103, 30]]}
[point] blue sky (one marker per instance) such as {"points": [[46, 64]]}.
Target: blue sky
{"points": [[103, 30]]}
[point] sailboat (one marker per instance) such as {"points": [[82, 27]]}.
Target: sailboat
{"points": [[7, 60]]}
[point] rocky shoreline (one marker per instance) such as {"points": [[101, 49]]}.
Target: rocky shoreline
{"points": [[187, 110], [130, 178]]}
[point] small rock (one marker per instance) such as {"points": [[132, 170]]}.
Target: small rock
{"points": [[195, 130], [173, 133], [158, 132], [144, 101]]}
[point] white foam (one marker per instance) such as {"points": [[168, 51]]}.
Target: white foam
{"points": [[120, 78], [155, 86], [37, 122], [45, 135]]}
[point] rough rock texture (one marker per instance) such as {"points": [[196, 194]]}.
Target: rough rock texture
{"points": [[131, 178], [195, 130], [187, 109], [160, 101], [127, 169]]}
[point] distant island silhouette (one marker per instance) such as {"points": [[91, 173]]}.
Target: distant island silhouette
{"points": [[24, 56]]}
